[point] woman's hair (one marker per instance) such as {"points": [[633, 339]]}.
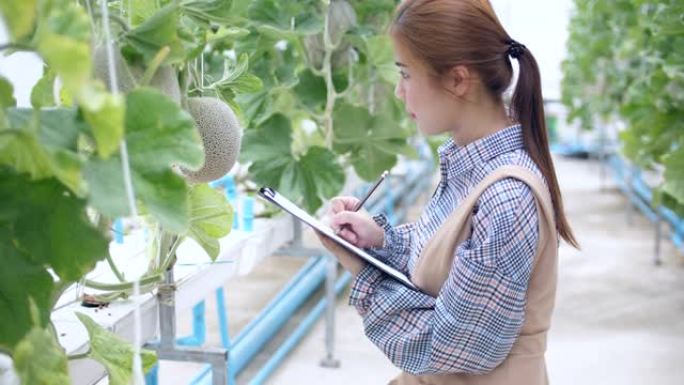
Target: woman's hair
{"points": [[445, 33]]}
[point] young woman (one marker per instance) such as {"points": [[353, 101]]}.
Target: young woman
{"points": [[484, 251]]}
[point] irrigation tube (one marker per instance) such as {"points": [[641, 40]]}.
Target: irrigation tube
{"points": [[299, 333], [249, 345], [309, 266]]}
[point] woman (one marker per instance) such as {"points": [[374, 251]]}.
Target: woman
{"points": [[484, 251]]}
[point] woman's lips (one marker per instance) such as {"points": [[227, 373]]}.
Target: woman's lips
{"points": [[413, 116]]}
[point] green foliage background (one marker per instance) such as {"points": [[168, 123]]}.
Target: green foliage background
{"points": [[311, 81], [626, 61]]}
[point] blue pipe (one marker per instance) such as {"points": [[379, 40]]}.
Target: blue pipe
{"points": [[300, 332], [199, 329], [250, 343], [267, 323], [303, 272]]}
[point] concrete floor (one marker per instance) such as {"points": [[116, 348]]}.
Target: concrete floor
{"points": [[619, 319]]}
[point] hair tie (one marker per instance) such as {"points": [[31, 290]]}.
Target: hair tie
{"points": [[515, 49]]}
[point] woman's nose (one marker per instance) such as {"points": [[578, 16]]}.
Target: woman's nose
{"points": [[399, 91]]}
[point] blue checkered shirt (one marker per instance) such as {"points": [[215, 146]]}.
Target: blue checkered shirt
{"points": [[471, 326]]}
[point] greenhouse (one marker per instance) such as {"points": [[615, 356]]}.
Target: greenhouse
{"points": [[403, 192]]}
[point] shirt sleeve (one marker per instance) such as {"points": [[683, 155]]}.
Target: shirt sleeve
{"points": [[472, 324], [396, 245]]}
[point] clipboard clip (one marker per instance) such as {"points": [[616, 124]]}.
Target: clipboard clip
{"points": [[267, 192]]}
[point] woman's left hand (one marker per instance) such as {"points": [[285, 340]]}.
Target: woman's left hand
{"points": [[348, 260]]}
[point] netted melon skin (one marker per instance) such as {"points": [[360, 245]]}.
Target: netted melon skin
{"points": [[221, 136]]}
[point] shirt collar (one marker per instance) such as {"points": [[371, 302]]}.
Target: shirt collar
{"points": [[456, 160]]}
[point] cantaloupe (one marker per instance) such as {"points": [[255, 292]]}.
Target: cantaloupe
{"points": [[221, 135], [342, 18], [125, 79], [128, 77]]}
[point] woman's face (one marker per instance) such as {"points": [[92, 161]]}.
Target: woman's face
{"points": [[426, 101]]}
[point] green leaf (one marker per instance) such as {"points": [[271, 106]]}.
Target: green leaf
{"points": [[381, 55], [238, 81], [50, 152], [39, 360], [257, 107], [21, 150], [63, 38], [105, 113], [19, 16], [158, 134], [211, 218], [158, 31], [311, 90], [273, 139], [42, 94], [163, 193], [21, 279], [6, 93], [206, 11], [373, 141], [285, 19], [674, 175], [106, 186], [226, 34], [49, 219], [142, 10], [314, 175], [114, 353]]}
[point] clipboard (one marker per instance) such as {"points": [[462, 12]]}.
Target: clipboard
{"points": [[279, 200]]}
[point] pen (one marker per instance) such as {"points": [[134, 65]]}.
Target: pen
{"points": [[365, 198], [368, 194]]}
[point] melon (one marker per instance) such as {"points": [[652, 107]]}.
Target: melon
{"points": [[128, 77], [221, 135], [341, 18]]}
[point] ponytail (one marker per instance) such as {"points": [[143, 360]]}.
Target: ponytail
{"points": [[527, 107]]}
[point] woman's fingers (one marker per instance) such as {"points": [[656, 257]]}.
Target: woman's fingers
{"points": [[336, 205], [344, 219], [343, 203], [348, 235]]}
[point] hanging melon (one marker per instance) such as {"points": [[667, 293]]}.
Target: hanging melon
{"points": [[221, 134], [129, 77]]}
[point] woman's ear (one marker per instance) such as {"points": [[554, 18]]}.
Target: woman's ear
{"points": [[458, 80]]}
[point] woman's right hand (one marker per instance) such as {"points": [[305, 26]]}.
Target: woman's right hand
{"points": [[357, 227]]}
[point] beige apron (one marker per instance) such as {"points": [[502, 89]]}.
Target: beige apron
{"points": [[525, 364]]}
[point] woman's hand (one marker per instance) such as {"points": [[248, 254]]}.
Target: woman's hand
{"points": [[357, 227], [348, 260]]}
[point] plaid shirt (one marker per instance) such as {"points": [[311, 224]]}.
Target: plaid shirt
{"points": [[471, 326]]}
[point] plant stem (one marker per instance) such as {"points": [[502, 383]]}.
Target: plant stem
{"points": [[123, 285], [104, 226], [330, 87], [79, 356], [154, 65], [115, 270], [207, 216], [170, 258], [16, 46], [60, 287]]}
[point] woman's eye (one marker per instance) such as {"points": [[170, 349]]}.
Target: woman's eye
{"points": [[404, 75]]}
